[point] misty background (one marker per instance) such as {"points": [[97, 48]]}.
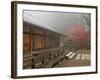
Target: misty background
{"points": [[57, 21], [75, 26]]}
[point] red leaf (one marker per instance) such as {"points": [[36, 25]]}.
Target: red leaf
{"points": [[78, 33]]}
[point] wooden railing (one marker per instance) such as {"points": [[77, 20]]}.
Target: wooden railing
{"points": [[44, 59]]}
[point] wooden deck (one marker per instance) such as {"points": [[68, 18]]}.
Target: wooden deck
{"points": [[44, 59], [57, 57]]}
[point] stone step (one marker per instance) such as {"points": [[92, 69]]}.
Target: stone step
{"points": [[70, 53], [71, 56]]}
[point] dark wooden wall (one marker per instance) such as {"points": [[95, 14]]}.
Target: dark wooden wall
{"points": [[36, 38], [41, 47]]}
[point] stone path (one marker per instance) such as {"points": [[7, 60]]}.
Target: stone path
{"points": [[75, 58]]}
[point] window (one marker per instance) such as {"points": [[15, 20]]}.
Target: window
{"points": [[26, 43], [38, 42], [38, 39]]}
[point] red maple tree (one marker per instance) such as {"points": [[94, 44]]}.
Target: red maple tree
{"points": [[78, 33]]}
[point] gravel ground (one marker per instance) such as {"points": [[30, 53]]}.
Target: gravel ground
{"points": [[81, 58]]}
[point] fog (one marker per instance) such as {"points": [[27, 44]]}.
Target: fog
{"points": [[60, 22]]}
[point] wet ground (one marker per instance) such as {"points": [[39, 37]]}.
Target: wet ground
{"points": [[75, 58]]}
